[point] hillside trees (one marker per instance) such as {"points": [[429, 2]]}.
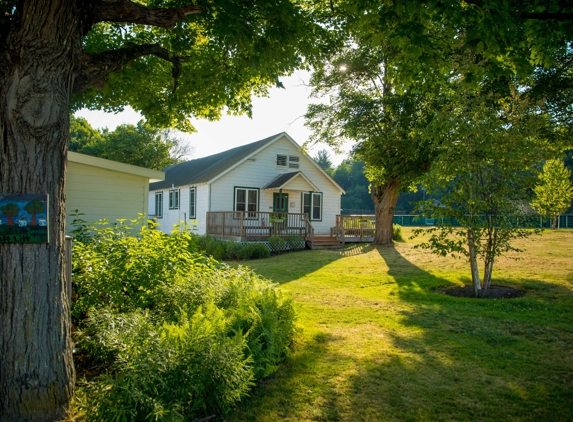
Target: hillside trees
{"points": [[139, 145], [167, 59]]}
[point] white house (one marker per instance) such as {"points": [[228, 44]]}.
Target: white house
{"points": [[250, 192]]}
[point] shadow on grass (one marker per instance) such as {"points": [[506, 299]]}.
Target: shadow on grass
{"points": [[470, 359], [435, 357], [294, 265], [299, 387]]}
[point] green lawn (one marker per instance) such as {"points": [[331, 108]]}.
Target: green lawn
{"points": [[379, 342]]}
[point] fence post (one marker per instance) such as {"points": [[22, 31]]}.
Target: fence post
{"points": [[68, 242]]}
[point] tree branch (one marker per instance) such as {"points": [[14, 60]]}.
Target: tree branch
{"points": [[126, 11], [96, 68]]}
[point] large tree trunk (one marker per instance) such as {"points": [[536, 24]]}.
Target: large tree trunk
{"points": [[39, 56], [385, 198]]}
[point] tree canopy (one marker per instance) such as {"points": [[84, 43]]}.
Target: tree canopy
{"points": [[139, 145], [169, 60]]}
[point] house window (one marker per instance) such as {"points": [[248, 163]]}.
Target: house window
{"points": [[192, 202], [174, 199], [247, 199], [293, 161], [312, 205], [159, 204], [281, 160]]}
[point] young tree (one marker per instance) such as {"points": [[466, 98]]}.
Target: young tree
{"points": [[169, 60], [484, 173], [553, 192]]}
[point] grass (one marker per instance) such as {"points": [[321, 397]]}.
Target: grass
{"points": [[379, 342]]}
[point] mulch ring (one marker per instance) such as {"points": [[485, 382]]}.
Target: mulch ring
{"points": [[494, 292]]}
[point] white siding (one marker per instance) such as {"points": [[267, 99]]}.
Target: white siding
{"points": [[101, 193], [173, 217], [256, 174]]}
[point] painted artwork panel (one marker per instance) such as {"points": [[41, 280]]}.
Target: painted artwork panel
{"points": [[24, 218]]}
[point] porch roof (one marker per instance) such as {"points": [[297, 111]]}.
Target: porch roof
{"points": [[289, 180]]}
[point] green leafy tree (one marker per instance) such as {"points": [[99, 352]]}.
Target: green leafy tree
{"points": [[10, 210], [138, 145], [350, 175], [323, 160], [484, 173], [505, 37], [82, 134], [33, 208], [389, 128], [554, 191], [168, 60]]}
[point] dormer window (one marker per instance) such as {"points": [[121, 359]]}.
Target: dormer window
{"points": [[281, 160]]}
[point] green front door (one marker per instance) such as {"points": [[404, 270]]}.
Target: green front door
{"points": [[280, 202]]}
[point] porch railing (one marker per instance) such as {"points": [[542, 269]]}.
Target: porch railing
{"points": [[359, 227], [255, 225]]}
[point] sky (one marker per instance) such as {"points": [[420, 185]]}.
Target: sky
{"points": [[282, 111]]}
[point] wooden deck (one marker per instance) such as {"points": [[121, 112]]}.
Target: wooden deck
{"points": [[247, 226], [253, 226]]}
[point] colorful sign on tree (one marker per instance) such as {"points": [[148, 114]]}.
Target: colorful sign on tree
{"points": [[24, 218]]}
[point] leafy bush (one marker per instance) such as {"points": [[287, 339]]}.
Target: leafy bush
{"points": [[233, 249], [168, 371], [114, 268], [397, 233], [254, 251], [294, 242], [180, 335], [277, 243]]}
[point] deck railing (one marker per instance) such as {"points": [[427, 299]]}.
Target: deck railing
{"points": [[255, 225], [355, 227]]}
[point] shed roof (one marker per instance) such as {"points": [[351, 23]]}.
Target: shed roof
{"points": [[152, 175]]}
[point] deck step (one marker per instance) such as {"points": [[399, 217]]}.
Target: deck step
{"points": [[320, 242]]}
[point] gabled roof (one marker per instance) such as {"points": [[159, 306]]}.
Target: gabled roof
{"points": [[208, 169], [282, 181], [202, 170]]}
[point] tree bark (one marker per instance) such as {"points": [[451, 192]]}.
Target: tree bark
{"points": [[39, 57], [385, 198], [474, 264]]}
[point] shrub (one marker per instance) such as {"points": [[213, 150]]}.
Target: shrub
{"points": [[215, 248], [180, 335], [169, 371], [233, 249], [254, 251], [397, 233], [115, 268], [294, 242], [277, 243]]}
